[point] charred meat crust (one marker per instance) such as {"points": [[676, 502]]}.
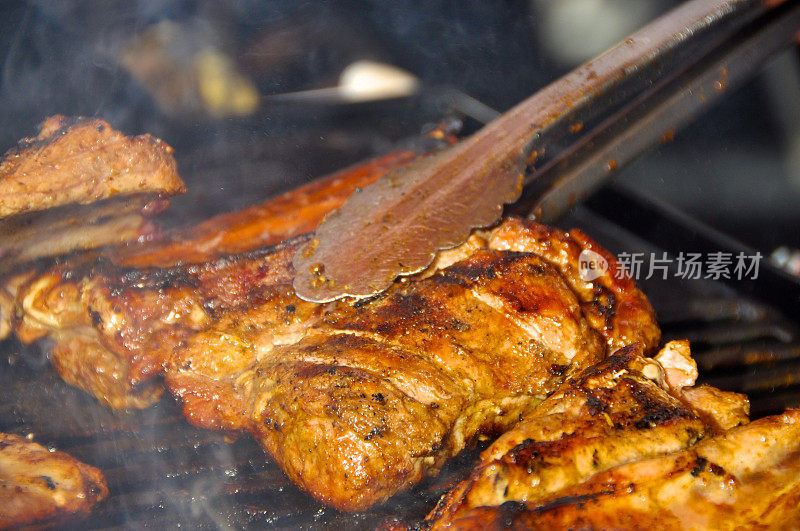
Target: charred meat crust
{"points": [[612, 303]]}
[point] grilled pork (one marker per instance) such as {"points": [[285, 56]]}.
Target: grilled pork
{"points": [[356, 400], [359, 400], [39, 487]]}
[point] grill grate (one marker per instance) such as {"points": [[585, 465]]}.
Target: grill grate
{"points": [[163, 472]]}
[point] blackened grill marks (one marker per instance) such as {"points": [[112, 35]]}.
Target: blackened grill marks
{"points": [[558, 369], [617, 362], [578, 500], [529, 451], [656, 412], [482, 265], [605, 303], [699, 466]]}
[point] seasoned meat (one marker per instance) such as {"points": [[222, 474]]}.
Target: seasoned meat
{"points": [[79, 185], [82, 161], [268, 223], [624, 429], [39, 487], [116, 364], [745, 478], [115, 327], [358, 400], [386, 388]]}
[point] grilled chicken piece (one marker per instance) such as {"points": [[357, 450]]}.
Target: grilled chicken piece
{"points": [[82, 161], [745, 478], [39, 487], [626, 409]]}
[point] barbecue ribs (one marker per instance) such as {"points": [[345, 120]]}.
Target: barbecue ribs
{"points": [[359, 400], [39, 487], [386, 388]]}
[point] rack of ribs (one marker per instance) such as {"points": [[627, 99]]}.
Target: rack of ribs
{"points": [[381, 391]]}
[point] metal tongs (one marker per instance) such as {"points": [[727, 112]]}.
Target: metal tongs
{"points": [[558, 145]]}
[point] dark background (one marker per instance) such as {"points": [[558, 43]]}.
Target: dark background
{"points": [[737, 167]]}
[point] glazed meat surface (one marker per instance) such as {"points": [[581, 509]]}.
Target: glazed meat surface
{"points": [[624, 409], [39, 487], [356, 400]]}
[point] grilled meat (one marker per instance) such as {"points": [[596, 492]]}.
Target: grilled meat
{"points": [[48, 182], [359, 400], [745, 478], [115, 327], [386, 388], [39, 487], [117, 368], [82, 161], [616, 447]]}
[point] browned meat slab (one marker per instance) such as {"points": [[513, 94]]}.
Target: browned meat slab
{"points": [[39, 487], [359, 400], [416, 374], [82, 161], [79, 185], [127, 321]]}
